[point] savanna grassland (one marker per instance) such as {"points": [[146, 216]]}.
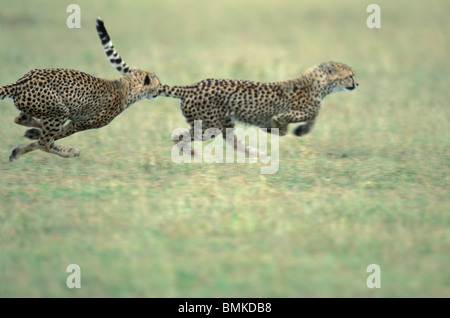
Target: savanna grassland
{"points": [[368, 185]]}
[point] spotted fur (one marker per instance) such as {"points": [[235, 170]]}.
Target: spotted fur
{"points": [[47, 98], [219, 103]]}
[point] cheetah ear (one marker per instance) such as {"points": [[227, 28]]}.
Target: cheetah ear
{"points": [[147, 80], [328, 68]]}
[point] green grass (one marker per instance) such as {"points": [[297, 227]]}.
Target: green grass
{"points": [[368, 185]]}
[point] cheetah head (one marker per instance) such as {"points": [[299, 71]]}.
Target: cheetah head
{"points": [[341, 76], [145, 84]]}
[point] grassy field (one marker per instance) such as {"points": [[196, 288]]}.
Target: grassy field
{"points": [[368, 185]]}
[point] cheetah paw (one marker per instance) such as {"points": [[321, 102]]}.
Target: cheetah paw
{"points": [[14, 155], [33, 133], [72, 152], [301, 130]]}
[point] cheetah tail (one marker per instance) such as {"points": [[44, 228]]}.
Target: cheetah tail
{"points": [[179, 92], [114, 58], [5, 92]]}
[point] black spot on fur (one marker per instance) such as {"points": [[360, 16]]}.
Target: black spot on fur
{"points": [[147, 80]]}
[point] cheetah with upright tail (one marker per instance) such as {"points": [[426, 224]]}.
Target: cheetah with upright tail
{"points": [[47, 98], [219, 103]]}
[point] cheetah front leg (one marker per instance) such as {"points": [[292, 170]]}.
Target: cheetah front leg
{"points": [[65, 131], [73, 127], [50, 128], [230, 137], [281, 122], [305, 128]]}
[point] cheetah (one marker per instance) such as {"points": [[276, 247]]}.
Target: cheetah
{"points": [[47, 98], [219, 103]]}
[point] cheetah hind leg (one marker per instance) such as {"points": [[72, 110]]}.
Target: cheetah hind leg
{"points": [[63, 151], [50, 128], [182, 138], [28, 120], [239, 145]]}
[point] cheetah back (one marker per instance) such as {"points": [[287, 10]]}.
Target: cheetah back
{"points": [[245, 101], [62, 92]]}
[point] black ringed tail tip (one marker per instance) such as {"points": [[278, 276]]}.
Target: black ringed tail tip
{"points": [[99, 21], [102, 31], [114, 58]]}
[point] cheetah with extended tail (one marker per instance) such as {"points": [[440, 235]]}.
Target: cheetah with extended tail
{"points": [[219, 103], [47, 98]]}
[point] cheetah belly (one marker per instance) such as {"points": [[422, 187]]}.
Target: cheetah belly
{"points": [[85, 112], [86, 105], [258, 115]]}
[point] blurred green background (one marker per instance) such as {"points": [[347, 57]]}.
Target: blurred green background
{"points": [[369, 185]]}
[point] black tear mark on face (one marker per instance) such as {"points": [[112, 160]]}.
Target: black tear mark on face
{"points": [[147, 80]]}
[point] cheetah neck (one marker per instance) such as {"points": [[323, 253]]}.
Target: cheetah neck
{"points": [[126, 92], [316, 82]]}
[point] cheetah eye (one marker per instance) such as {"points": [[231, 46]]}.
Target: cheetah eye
{"points": [[147, 80]]}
